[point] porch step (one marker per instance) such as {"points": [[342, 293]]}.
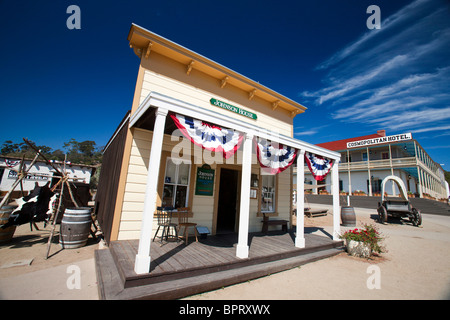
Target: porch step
{"points": [[111, 286], [131, 279]]}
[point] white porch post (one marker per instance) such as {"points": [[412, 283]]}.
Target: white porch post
{"points": [[349, 175], [300, 232], [242, 246], [336, 207], [142, 262]]}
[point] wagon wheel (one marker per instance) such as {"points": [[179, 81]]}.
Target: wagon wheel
{"points": [[416, 217], [382, 214]]}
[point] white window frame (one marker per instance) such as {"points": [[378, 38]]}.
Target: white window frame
{"points": [[177, 163], [274, 194]]}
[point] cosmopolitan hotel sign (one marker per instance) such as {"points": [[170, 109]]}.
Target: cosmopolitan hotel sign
{"points": [[373, 141]]}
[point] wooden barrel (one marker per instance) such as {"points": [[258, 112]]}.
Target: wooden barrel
{"points": [[75, 227], [348, 217], [8, 233]]}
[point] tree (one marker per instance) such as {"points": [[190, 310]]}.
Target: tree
{"points": [[57, 154], [9, 147], [82, 152], [85, 152], [19, 149]]}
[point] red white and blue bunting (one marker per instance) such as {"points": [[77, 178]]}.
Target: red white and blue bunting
{"points": [[274, 157], [208, 136], [12, 163], [319, 166]]}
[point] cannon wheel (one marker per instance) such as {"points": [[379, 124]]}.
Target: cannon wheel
{"points": [[416, 217], [382, 214]]}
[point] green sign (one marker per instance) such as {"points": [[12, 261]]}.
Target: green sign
{"points": [[204, 185], [232, 108]]}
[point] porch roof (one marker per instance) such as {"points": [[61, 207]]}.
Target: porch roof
{"points": [[144, 118]]}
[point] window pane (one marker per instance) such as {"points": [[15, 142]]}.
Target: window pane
{"points": [[268, 193], [176, 183], [180, 200], [170, 172], [183, 173], [168, 195]]}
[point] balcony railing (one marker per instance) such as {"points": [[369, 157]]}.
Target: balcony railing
{"points": [[378, 164]]}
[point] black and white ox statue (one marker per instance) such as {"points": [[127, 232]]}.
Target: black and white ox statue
{"points": [[35, 207]]}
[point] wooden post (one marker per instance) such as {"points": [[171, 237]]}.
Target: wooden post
{"points": [[244, 213], [55, 218], [300, 232], [142, 262], [336, 207]]}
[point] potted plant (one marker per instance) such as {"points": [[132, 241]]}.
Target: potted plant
{"points": [[363, 242]]}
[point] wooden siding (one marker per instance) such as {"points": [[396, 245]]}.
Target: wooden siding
{"points": [[109, 181], [193, 95], [168, 77], [202, 206]]}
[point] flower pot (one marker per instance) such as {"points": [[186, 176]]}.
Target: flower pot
{"points": [[358, 248]]}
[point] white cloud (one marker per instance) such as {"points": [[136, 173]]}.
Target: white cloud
{"points": [[395, 78], [306, 133], [361, 80], [413, 119], [432, 129], [301, 131], [390, 22], [376, 110]]}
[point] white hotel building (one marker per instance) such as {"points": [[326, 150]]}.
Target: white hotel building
{"points": [[367, 160]]}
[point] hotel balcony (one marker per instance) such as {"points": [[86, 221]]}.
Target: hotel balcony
{"points": [[378, 164]]}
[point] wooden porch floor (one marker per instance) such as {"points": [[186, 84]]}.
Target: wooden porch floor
{"points": [[202, 266]]}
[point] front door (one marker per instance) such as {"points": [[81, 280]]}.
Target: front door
{"points": [[227, 204]]}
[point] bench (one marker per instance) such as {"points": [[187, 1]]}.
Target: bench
{"points": [[314, 213], [266, 223]]}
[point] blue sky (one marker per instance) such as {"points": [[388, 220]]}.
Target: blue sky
{"points": [[57, 84]]}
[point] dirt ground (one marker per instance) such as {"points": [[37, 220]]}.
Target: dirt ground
{"points": [[29, 245], [415, 266]]}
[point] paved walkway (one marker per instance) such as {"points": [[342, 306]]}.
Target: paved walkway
{"points": [[72, 281], [416, 266]]}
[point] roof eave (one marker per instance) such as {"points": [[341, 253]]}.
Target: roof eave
{"points": [[145, 41]]}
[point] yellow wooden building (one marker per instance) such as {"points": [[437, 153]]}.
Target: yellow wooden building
{"points": [[151, 162]]}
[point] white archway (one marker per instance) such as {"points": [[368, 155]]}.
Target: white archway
{"points": [[400, 185]]}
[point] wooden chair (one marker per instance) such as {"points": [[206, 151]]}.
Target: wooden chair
{"points": [[164, 215], [183, 214]]}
